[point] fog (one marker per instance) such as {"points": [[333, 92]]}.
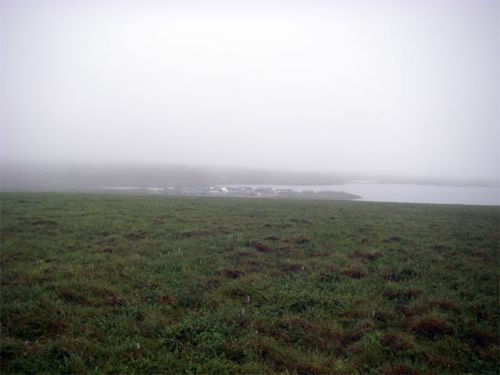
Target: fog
{"points": [[369, 88]]}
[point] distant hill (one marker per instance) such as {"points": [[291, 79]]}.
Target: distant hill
{"points": [[17, 176]]}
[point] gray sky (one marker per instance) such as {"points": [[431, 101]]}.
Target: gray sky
{"points": [[406, 88]]}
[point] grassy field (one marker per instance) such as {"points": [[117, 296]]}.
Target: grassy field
{"points": [[147, 284]]}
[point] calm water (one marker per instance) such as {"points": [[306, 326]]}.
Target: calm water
{"points": [[370, 191]]}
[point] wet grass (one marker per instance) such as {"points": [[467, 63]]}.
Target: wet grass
{"points": [[148, 284]]}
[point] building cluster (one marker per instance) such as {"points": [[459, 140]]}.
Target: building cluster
{"points": [[237, 191], [230, 191]]}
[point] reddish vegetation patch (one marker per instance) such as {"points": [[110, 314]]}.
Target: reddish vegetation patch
{"points": [[413, 310], [352, 314], [396, 342], [482, 313], [213, 283], [330, 274], [69, 295], [359, 331], [165, 299], [271, 355], [234, 351], [44, 222], [315, 334], [233, 274], [107, 250], [402, 294], [430, 327], [444, 304], [295, 268], [195, 234], [115, 301], [53, 326], [482, 338], [34, 347], [301, 240], [66, 294], [262, 248], [354, 272], [382, 316], [400, 276], [439, 247], [367, 255], [277, 274], [479, 253], [398, 370], [393, 239], [320, 254], [252, 265], [137, 235], [272, 238]]}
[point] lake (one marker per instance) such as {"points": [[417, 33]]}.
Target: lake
{"points": [[412, 193]]}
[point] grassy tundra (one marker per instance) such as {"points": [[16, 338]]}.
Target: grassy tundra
{"points": [[147, 284]]}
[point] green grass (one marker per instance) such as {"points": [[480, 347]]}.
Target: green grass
{"points": [[147, 284]]}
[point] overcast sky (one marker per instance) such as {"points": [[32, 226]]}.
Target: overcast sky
{"points": [[406, 88]]}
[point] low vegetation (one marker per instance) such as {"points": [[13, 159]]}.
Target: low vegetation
{"points": [[147, 284]]}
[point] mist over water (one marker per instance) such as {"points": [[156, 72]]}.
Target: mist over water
{"points": [[372, 191], [403, 91]]}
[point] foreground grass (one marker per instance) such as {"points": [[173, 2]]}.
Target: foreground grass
{"points": [[143, 284]]}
